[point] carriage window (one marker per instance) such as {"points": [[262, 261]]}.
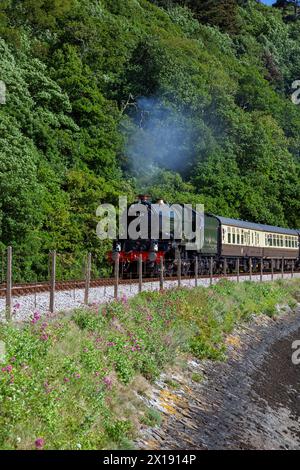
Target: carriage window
{"points": [[281, 240], [229, 235], [238, 237], [233, 235], [286, 241], [242, 237]]}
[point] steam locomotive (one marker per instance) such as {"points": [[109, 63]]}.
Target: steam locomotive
{"points": [[224, 241]]}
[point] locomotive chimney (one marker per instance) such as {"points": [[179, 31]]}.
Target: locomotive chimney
{"points": [[143, 198]]}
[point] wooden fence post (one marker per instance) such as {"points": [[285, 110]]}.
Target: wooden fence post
{"points": [[52, 281], [161, 274], [196, 271], [261, 269], [292, 269], [140, 273], [250, 269], [2, 267], [9, 284], [87, 278], [238, 269], [225, 267], [179, 269], [117, 267], [272, 269], [211, 264]]}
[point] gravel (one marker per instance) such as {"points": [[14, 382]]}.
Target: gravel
{"points": [[25, 306]]}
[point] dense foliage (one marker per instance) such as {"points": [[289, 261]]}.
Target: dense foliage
{"points": [[77, 383], [189, 100]]}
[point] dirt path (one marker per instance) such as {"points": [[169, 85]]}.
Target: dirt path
{"points": [[251, 401]]}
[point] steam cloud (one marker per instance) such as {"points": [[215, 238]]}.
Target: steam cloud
{"points": [[161, 138]]}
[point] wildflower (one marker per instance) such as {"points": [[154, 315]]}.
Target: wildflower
{"points": [[77, 376], [66, 379], [124, 299], [86, 350], [44, 337], [149, 318], [108, 381], [13, 359], [111, 343], [39, 443], [36, 317]]}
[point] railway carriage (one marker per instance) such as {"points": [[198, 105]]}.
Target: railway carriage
{"points": [[246, 240]]}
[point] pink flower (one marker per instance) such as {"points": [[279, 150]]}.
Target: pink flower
{"points": [[36, 317], [124, 299], [111, 343], [13, 359], [108, 381], [39, 443], [77, 376], [8, 369], [66, 379], [44, 337]]}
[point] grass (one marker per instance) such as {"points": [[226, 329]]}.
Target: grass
{"points": [[74, 382]]}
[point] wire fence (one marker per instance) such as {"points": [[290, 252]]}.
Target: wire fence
{"points": [[67, 272]]}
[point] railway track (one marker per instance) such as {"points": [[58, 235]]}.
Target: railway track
{"points": [[23, 289]]}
